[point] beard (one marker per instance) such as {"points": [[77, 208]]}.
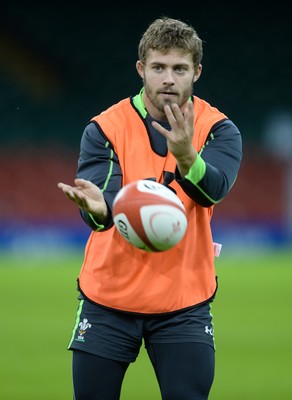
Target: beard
{"points": [[153, 96]]}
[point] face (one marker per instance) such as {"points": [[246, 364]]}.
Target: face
{"points": [[167, 78]]}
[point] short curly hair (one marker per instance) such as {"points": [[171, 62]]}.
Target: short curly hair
{"points": [[167, 33]]}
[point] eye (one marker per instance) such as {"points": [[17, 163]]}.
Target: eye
{"points": [[180, 69], [157, 68]]}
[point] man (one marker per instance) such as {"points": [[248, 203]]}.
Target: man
{"points": [[166, 134]]}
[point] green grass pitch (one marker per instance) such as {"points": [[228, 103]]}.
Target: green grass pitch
{"points": [[252, 321]]}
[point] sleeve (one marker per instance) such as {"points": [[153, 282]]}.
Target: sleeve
{"points": [[99, 164], [215, 169]]}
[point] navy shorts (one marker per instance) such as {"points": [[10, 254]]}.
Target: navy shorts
{"points": [[118, 336]]}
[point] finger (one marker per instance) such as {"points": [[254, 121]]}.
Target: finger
{"points": [[65, 188], [178, 115], [78, 198], [84, 184], [61, 185], [83, 204], [189, 112], [70, 196], [170, 115], [160, 129], [175, 117]]}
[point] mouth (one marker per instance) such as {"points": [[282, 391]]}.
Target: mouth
{"points": [[168, 94]]}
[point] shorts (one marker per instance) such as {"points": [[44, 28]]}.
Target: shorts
{"points": [[119, 335]]}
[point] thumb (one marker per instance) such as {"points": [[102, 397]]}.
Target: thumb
{"points": [[82, 183]]}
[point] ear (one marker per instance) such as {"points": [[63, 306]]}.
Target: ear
{"points": [[140, 68], [198, 73]]}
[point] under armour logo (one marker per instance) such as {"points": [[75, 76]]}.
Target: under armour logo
{"points": [[209, 330]]}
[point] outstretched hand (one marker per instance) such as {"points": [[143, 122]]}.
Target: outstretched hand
{"points": [[87, 196], [179, 138]]}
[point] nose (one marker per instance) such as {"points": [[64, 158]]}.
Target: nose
{"points": [[168, 78]]}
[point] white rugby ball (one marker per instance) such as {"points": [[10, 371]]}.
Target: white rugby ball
{"points": [[149, 215]]}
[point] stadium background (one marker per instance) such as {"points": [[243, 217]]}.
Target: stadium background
{"points": [[62, 64]]}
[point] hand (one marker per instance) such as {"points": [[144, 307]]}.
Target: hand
{"points": [[179, 138], [87, 196]]}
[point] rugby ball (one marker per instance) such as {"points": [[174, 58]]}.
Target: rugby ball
{"points": [[149, 215]]}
